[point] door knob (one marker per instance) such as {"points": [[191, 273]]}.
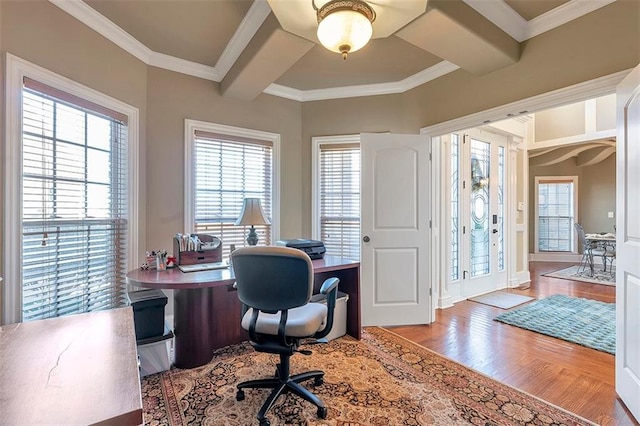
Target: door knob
{"points": [[366, 239]]}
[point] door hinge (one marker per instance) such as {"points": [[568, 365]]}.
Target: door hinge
{"points": [[430, 291], [429, 156], [464, 184], [464, 229], [430, 225]]}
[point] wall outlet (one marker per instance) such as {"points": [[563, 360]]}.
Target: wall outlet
{"points": [[610, 215]]}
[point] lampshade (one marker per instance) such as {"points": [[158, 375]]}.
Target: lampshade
{"points": [[252, 213], [344, 26]]}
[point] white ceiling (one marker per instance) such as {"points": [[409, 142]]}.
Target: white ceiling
{"points": [[239, 41]]}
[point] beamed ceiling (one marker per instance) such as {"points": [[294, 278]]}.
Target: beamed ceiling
{"points": [[241, 44]]}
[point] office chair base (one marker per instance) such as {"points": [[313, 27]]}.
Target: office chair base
{"points": [[281, 386]]}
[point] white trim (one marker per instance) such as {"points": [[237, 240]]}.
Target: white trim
{"points": [[316, 142], [509, 21], [190, 126], [503, 16], [563, 14], [497, 12], [394, 87], [536, 217], [576, 93], [16, 70], [249, 25], [555, 257]]}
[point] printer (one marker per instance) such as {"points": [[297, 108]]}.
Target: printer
{"points": [[315, 249]]}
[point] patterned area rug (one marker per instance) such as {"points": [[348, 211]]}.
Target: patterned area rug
{"points": [[381, 380], [599, 276], [586, 322]]}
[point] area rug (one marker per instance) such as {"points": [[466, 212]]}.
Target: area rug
{"points": [[382, 379], [599, 276], [586, 322], [501, 299]]}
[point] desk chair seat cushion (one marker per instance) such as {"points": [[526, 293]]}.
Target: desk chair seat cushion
{"points": [[303, 321]]}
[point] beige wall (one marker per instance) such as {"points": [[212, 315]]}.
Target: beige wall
{"points": [[596, 193], [172, 97]]}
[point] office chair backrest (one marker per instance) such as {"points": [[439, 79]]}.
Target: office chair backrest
{"points": [[273, 278]]}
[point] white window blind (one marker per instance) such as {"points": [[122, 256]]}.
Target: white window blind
{"points": [[555, 215], [340, 199], [74, 212], [229, 169]]}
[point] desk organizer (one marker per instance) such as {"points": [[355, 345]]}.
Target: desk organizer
{"points": [[192, 257]]}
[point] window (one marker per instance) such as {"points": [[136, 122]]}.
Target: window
{"points": [[337, 195], [68, 212], [224, 166], [556, 201]]}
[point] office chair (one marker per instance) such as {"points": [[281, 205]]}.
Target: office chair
{"points": [[275, 285]]}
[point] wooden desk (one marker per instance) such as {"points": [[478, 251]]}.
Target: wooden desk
{"points": [[79, 369], [207, 311]]}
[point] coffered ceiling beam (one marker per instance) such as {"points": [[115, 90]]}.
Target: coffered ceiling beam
{"points": [[455, 32], [271, 52]]}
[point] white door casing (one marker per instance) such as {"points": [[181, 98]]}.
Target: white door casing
{"points": [[628, 243], [395, 209]]}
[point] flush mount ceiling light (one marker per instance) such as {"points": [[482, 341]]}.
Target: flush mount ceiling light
{"points": [[308, 20], [344, 26]]}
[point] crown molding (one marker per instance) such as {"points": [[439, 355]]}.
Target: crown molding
{"points": [[248, 27], [518, 28], [256, 15], [496, 11], [97, 22], [390, 88], [563, 14], [503, 16]]}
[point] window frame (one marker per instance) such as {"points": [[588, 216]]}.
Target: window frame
{"points": [[317, 142], [190, 128], [556, 179], [16, 70]]}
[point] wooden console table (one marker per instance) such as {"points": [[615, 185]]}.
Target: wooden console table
{"points": [[78, 369], [207, 311]]}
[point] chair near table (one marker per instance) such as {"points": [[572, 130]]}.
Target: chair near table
{"points": [[593, 248]]}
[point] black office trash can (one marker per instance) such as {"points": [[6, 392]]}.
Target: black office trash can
{"points": [[148, 312]]}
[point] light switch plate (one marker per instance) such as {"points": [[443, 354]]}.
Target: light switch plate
{"points": [[610, 215]]}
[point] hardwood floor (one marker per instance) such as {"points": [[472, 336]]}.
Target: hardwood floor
{"points": [[576, 378]]}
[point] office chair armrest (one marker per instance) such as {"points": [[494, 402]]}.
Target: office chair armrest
{"points": [[329, 284], [330, 289]]}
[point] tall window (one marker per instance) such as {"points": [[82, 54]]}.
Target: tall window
{"points": [[338, 197], [226, 169], [555, 207], [74, 204]]}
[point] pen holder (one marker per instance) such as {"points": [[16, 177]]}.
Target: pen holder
{"points": [[161, 261]]}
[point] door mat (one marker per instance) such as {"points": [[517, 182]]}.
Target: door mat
{"points": [[576, 273], [589, 323], [501, 299]]}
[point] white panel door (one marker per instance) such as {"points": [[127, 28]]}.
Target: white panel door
{"points": [[628, 243], [395, 210]]}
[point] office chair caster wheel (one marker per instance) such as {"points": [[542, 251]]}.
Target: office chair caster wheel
{"points": [[240, 395], [322, 412], [318, 381], [264, 422]]}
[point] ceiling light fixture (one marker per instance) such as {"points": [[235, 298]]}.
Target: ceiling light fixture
{"points": [[344, 26]]}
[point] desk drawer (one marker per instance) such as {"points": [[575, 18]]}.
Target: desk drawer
{"points": [[194, 257]]}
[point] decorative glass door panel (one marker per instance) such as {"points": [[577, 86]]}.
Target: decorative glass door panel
{"points": [[477, 212], [480, 203]]}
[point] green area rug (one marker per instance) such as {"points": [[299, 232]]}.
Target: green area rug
{"points": [[586, 322]]}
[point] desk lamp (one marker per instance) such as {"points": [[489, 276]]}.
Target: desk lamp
{"points": [[252, 214]]}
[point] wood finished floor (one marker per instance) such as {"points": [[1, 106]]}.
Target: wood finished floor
{"points": [[578, 379]]}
